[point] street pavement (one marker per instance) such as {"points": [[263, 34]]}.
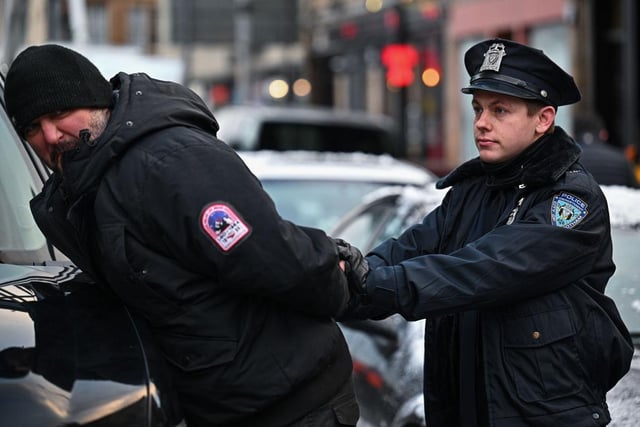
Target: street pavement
{"points": [[624, 398]]}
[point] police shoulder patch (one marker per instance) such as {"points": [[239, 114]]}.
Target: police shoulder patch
{"points": [[567, 210], [225, 227]]}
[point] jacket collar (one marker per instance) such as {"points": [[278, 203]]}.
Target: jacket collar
{"points": [[542, 163]]}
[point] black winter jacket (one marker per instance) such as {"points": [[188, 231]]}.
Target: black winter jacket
{"points": [[510, 273], [240, 300]]}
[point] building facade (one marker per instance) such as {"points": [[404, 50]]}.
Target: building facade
{"points": [[401, 58]]}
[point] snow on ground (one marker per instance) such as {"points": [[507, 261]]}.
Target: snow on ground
{"points": [[624, 205]]}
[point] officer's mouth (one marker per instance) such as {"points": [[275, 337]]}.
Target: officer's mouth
{"points": [[483, 143]]}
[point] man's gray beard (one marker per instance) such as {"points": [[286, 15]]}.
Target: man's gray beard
{"points": [[97, 124]]}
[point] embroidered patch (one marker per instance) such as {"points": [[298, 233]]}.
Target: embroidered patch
{"points": [[223, 225], [567, 210]]}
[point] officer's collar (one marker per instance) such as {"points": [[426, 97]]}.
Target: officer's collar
{"points": [[511, 172], [541, 163]]}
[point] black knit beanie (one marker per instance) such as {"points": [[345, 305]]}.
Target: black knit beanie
{"points": [[48, 78]]}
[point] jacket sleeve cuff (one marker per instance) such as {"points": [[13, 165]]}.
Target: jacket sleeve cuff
{"points": [[382, 287]]}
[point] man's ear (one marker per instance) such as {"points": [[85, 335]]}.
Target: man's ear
{"points": [[546, 117]]}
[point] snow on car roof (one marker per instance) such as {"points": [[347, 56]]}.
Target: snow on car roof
{"points": [[314, 165]]}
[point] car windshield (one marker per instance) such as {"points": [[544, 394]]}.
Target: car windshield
{"points": [[316, 203], [18, 230]]}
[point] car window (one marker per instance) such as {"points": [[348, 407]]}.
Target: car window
{"points": [[392, 228], [368, 225], [316, 203], [385, 214], [18, 230], [282, 136]]}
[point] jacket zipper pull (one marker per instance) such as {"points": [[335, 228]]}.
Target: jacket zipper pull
{"points": [[514, 212]]}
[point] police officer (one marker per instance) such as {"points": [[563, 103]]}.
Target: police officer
{"points": [[510, 270], [145, 199]]}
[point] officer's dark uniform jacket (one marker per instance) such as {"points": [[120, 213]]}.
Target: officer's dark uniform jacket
{"points": [[513, 301], [247, 330]]}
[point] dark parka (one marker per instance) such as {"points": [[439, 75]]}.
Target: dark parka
{"points": [[518, 299], [247, 330]]}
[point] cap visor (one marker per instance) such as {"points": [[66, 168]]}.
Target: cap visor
{"points": [[496, 86]]}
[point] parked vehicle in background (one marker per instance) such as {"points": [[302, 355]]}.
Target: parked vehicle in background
{"points": [[396, 346], [285, 128], [70, 353], [316, 188]]}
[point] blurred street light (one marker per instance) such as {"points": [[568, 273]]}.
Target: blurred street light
{"points": [[301, 88], [373, 5], [430, 77], [278, 88]]}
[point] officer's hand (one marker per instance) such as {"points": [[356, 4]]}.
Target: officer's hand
{"points": [[356, 268]]}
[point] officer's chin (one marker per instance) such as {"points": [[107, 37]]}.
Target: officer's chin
{"points": [[490, 156]]}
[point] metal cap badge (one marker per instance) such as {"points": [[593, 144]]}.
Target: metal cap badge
{"points": [[493, 57]]}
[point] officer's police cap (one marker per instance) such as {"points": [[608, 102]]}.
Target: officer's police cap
{"points": [[510, 68]]}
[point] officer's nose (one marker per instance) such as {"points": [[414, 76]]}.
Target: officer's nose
{"points": [[481, 120]]}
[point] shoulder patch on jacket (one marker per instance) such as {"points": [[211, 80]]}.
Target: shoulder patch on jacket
{"points": [[225, 227], [567, 210]]}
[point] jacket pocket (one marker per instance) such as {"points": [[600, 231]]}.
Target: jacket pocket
{"points": [[187, 352], [540, 355], [192, 353], [130, 284]]}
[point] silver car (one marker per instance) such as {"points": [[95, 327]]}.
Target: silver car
{"points": [[317, 188]]}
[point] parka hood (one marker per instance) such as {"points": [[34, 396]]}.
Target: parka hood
{"points": [[142, 107]]}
